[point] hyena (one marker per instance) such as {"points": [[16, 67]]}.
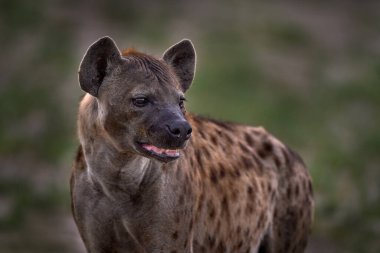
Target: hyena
{"points": [[151, 177]]}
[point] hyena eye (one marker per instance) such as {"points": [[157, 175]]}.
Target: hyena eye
{"points": [[140, 102], [182, 103]]}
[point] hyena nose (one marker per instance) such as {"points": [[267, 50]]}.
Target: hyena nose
{"points": [[180, 129]]}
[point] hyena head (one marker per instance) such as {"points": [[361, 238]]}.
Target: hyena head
{"points": [[140, 99]]}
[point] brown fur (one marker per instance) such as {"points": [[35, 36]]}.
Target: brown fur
{"points": [[130, 51], [235, 188]]}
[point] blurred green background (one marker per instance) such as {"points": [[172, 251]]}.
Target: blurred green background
{"points": [[307, 71]]}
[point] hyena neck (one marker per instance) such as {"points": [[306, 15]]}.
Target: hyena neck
{"points": [[119, 173], [114, 171]]}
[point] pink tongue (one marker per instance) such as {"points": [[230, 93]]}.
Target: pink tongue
{"points": [[157, 150]]}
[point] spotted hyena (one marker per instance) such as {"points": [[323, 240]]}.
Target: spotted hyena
{"points": [[151, 177]]}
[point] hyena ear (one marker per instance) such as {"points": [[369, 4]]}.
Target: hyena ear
{"points": [[181, 57], [98, 61]]}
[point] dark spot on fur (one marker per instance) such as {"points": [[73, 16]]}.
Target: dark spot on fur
{"points": [[191, 162], [286, 246], [289, 192], [277, 161], [239, 245], [221, 247], [211, 209], [222, 171], [297, 190], [231, 173], [246, 232], [214, 140], [213, 177], [262, 221], [262, 153], [201, 197], [266, 149], [249, 209], [211, 241], [173, 251], [211, 213], [210, 205], [181, 200], [275, 215], [136, 199], [247, 163], [248, 139], [200, 203], [250, 190], [207, 153], [175, 235], [237, 173], [301, 214], [225, 207], [269, 188]]}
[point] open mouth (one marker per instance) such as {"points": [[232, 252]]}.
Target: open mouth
{"points": [[161, 154]]}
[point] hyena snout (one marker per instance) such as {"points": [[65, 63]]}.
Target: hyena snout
{"points": [[172, 133], [179, 129]]}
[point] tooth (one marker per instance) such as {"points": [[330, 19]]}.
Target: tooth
{"points": [[172, 152]]}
